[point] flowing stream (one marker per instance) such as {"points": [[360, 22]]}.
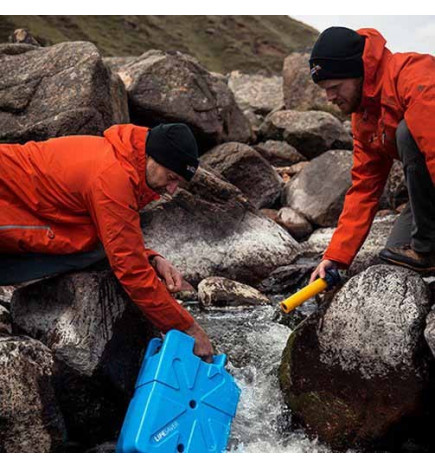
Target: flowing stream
{"points": [[253, 341]]}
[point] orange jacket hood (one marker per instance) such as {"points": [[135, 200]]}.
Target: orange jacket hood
{"points": [[128, 142], [375, 58]]}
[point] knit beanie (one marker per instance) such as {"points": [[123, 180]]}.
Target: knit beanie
{"points": [[174, 147], [337, 54]]}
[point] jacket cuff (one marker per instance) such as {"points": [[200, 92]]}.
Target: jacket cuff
{"points": [[338, 257]]}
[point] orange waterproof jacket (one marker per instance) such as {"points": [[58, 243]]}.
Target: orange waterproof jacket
{"points": [[66, 194], [396, 87]]}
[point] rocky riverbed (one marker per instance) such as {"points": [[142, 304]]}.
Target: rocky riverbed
{"points": [[354, 371]]}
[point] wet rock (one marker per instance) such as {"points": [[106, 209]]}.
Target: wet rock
{"points": [[97, 336], [318, 191], [355, 373], [294, 223], [247, 170], [30, 419], [218, 233], [312, 132], [279, 153], [174, 87], [262, 94], [222, 292], [300, 92], [286, 279], [55, 91]]}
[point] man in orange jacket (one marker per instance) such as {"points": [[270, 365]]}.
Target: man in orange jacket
{"points": [[67, 202], [391, 98]]}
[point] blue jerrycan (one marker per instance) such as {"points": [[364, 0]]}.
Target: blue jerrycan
{"points": [[180, 403]]}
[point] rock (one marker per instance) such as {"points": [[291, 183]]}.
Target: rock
{"points": [[23, 36], [368, 254], [287, 279], [318, 191], [97, 336], [247, 170], [218, 233], [30, 419], [6, 295], [117, 63], [286, 173], [5, 321], [296, 168], [395, 192], [375, 242], [312, 132], [255, 122], [279, 153], [222, 292], [262, 94], [174, 87], [355, 374], [294, 223], [300, 92], [429, 331], [270, 213], [55, 91]]}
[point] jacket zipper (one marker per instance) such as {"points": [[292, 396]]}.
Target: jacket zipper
{"points": [[50, 233]]}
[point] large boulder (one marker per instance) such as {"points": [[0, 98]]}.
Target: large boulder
{"points": [[30, 418], [279, 153], [222, 292], [355, 374], [259, 93], [55, 91], [312, 132], [367, 255], [247, 170], [294, 223], [300, 92], [97, 336], [174, 87], [318, 191], [210, 229]]}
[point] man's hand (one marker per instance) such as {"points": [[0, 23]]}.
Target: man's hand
{"points": [[168, 273], [321, 269], [203, 348]]}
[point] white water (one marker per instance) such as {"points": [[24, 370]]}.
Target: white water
{"points": [[254, 343]]}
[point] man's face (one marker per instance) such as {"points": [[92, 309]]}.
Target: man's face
{"points": [[346, 93], [160, 179]]}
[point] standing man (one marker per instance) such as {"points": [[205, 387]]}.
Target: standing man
{"points": [[391, 98], [67, 202]]}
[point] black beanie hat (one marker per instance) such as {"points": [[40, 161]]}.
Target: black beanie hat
{"points": [[337, 54], [174, 147]]}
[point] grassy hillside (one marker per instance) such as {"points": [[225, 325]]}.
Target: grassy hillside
{"points": [[220, 43]]}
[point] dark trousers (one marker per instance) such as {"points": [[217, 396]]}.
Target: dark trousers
{"points": [[16, 269], [416, 224]]}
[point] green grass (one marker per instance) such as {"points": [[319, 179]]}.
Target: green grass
{"points": [[220, 43]]}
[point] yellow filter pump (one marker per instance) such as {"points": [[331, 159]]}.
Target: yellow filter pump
{"points": [[331, 279]]}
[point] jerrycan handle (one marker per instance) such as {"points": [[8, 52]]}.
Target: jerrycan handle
{"points": [[153, 347], [220, 360]]}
